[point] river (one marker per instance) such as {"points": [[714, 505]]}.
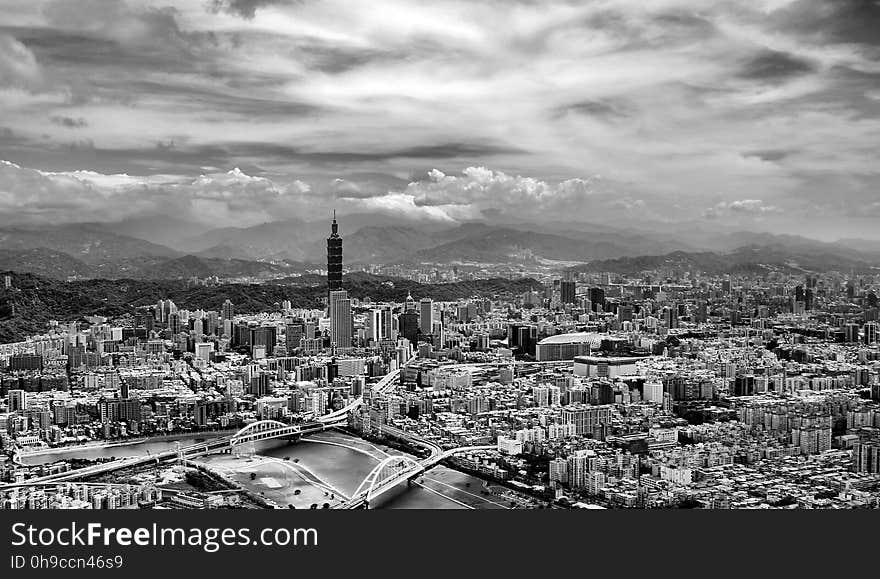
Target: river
{"points": [[323, 468]]}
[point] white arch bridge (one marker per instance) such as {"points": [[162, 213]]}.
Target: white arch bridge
{"points": [[386, 475], [393, 471], [267, 429]]}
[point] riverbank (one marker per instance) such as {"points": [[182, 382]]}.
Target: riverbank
{"points": [[278, 482], [127, 442]]}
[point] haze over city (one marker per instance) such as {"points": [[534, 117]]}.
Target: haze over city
{"points": [[761, 115]]}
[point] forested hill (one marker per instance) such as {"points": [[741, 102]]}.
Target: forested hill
{"points": [[38, 299]]}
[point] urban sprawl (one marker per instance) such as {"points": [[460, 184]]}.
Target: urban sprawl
{"points": [[665, 389]]}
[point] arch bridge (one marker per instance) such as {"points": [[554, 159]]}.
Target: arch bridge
{"points": [[265, 429], [386, 475]]}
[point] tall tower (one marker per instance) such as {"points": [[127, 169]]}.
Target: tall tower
{"points": [[334, 259]]}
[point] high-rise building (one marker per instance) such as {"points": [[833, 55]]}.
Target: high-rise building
{"points": [[522, 338], [870, 333], [334, 258], [585, 418], [670, 317], [409, 326], [340, 319], [851, 332], [119, 409], [597, 298], [866, 456], [17, 400], [426, 316], [25, 362], [265, 336], [387, 320], [373, 325], [293, 335], [228, 311], [174, 323], [568, 291]]}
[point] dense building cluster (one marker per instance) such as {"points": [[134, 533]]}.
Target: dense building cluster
{"points": [[663, 389]]}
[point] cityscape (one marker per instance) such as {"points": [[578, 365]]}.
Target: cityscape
{"points": [[277, 254], [665, 390]]}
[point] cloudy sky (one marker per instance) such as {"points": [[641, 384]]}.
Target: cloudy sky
{"points": [[758, 114]]}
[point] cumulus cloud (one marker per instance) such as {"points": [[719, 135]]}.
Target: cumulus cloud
{"points": [[485, 189], [740, 207], [31, 196]]}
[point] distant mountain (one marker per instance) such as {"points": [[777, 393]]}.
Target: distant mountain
{"points": [[295, 240], [385, 244], [88, 243], [159, 229], [748, 259], [129, 249], [499, 245], [380, 238], [368, 238], [44, 262], [132, 260], [867, 246], [192, 266]]}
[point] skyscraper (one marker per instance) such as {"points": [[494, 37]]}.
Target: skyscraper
{"points": [[373, 325], [17, 400], [569, 289], [409, 326], [387, 332], [334, 259], [340, 319], [228, 311], [293, 335], [426, 316]]}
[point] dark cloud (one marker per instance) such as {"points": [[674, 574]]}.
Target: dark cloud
{"points": [[221, 98], [334, 60], [835, 21], [774, 65], [770, 155], [599, 108], [69, 122], [116, 19], [440, 151], [82, 58], [244, 8], [182, 157]]}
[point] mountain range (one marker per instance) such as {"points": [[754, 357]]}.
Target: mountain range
{"points": [[291, 248], [750, 259]]}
